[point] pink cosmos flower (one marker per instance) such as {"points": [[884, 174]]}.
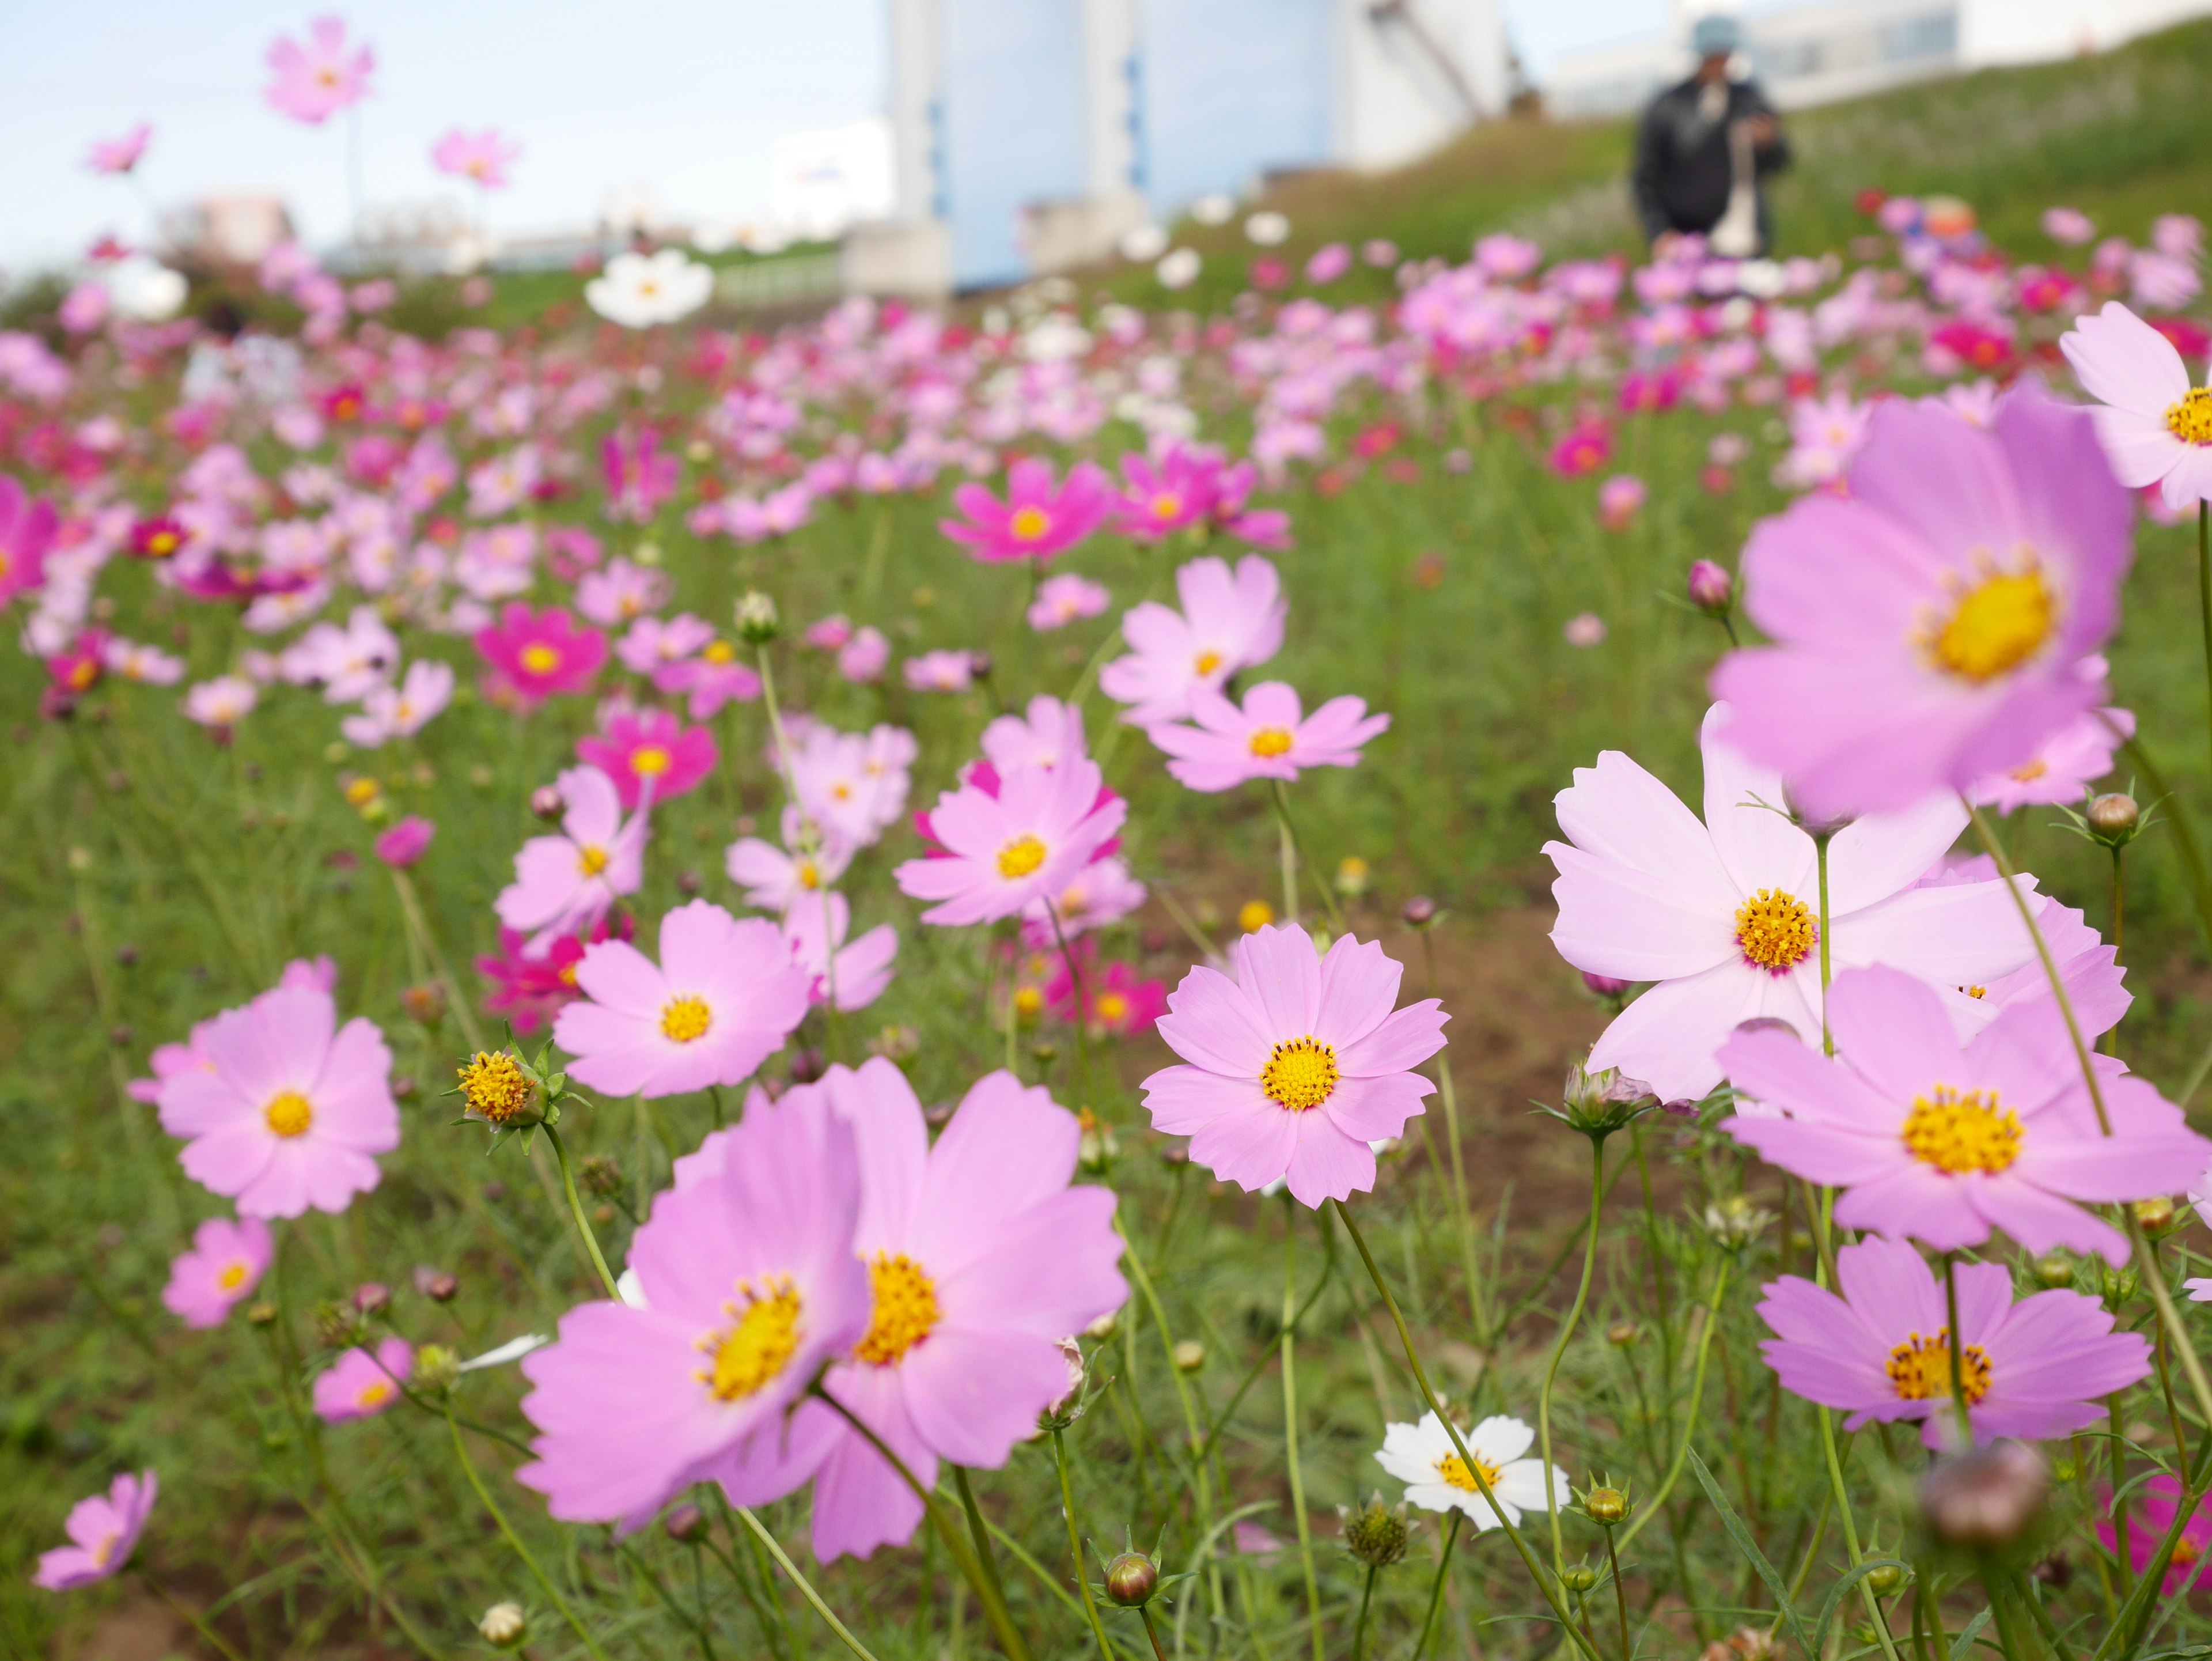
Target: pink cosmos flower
{"points": [[853, 973], [980, 1258], [2151, 1510], [1037, 519], [221, 703], [401, 711], [776, 878], [941, 672], [863, 658], [710, 680], [1725, 914], [1006, 850], [565, 883], [27, 531], [1881, 1353], [1928, 627], [1584, 629], [650, 752], [1166, 496], [103, 1531], [1269, 737], [1063, 600], [723, 998], [287, 1114], [1118, 1001], [405, 842], [747, 1283], [361, 1385], [226, 1262], [2070, 759], [621, 592], [1587, 448], [651, 645], [1100, 893], [1046, 734], [535, 655], [2155, 426], [482, 156], [1229, 622], [529, 991], [1295, 1065], [2069, 225], [1944, 1143], [117, 155], [1618, 500], [853, 785], [641, 476], [315, 82], [2095, 982]]}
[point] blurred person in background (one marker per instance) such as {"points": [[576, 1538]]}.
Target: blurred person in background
{"points": [[1705, 150]]}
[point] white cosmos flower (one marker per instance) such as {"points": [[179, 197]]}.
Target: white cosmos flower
{"points": [[640, 290], [1436, 1478], [145, 289], [1179, 268]]}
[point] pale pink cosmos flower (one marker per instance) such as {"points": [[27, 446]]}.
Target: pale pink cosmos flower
{"points": [[1065, 599], [620, 592], [863, 658], [226, 1262], [1229, 621], [851, 974], [1294, 1064], [2070, 760], [117, 156], [746, 1283], [1881, 1352], [2096, 985], [401, 711], [2069, 226], [315, 82], [2155, 426], [1102, 892], [1584, 629], [853, 785], [651, 645], [483, 157], [776, 878], [288, 1114], [1725, 914], [221, 703], [360, 1384], [941, 672], [1046, 734], [1007, 850], [103, 1531], [723, 999], [1269, 737], [1943, 1142], [564, 884]]}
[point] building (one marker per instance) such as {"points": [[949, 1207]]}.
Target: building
{"points": [[1029, 136], [1815, 53]]}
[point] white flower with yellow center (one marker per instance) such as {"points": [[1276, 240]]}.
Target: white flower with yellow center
{"points": [[1422, 1457]]}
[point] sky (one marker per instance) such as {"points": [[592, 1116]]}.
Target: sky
{"points": [[682, 99]]}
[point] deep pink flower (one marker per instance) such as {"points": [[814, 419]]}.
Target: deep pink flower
{"points": [[1166, 496], [650, 751], [1229, 622], [2151, 1509], [113, 155], [482, 156], [640, 475], [1037, 519], [1295, 1065], [980, 1257], [1118, 1001], [226, 1262], [723, 998], [361, 1385], [1929, 626], [27, 532], [1587, 448], [748, 1282], [405, 842], [103, 1530], [1269, 737], [564, 884], [1006, 848], [535, 655], [1881, 1353], [78, 667], [315, 82], [288, 1114], [529, 991], [1944, 1143]]}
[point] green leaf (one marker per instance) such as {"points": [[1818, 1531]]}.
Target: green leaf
{"points": [[1866, 1566], [1749, 1547], [1965, 1641]]}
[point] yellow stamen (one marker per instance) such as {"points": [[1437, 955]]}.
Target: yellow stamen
{"points": [[720, 651], [232, 1278], [749, 1356], [495, 1087], [1998, 625], [809, 875], [1777, 930], [649, 762], [1027, 1000], [1453, 1472], [1166, 506], [685, 1020], [1207, 663], [540, 659], [1028, 524], [1959, 1133], [1920, 1369], [1300, 1074], [289, 1114], [374, 1395], [591, 861], [2190, 420], [905, 1309], [1019, 857], [1113, 1007], [1270, 741]]}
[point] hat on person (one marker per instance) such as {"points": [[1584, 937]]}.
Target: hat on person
{"points": [[1716, 35]]}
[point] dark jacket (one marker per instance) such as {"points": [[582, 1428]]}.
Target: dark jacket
{"points": [[1682, 171]]}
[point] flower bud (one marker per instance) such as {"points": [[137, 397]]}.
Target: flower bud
{"points": [[1985, 1497], [1375, 1533], [1105, 1326], [1419, 912], [1812, 823], [1351, 875], [686, 1523], [503, 1626], [435, 1369], [425, 1004], [2154, 1215], [2055, 1270], [1599, 1103], [1711, 588], [372, 1297], [334, 1325], [261, 1314], [598, 1176], [1057, 1410], [2113, 816], [1604, 1506], [757, 620], [1736, 1221], [979, 665], [1579, 1579], [896, 1043], [547, 802], [1096, 1145], [1189, 1355], [1622, 1334], [435, 1284], [1884, 1579], [1604, 985], [1130, 1579]]}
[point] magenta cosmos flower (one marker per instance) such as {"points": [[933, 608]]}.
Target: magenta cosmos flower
{"points": [[1294, 1066], [2151, 1514], [1881, 1352], [650, 751], [115, 156], [1269, 737], [1943, 1143], [565, 885], [227, 1262], [980, 1258], [1725, 915], [723, 997], [27, 531], [361, 1385], [747, 1282], [483, 157], [1165, 495], [287, 1114], [1229, 621], [315, 82], [535, 654], [1928, 626], [103, 1532], [2155, 426], [405, 842], [1037, 519], [1005, 849]]}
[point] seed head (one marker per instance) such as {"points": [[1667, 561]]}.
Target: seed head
{"points": [[335, 1325], [1131, 1579], [1375, 1533], [503, 1626], [1736, 1221], [496, 1089], [424, 1004], [1985, 1497], [437, 1368]]}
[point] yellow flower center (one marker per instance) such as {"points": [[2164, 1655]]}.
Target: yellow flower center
{"points": [[1453, 1472], [2028, 772], [720, 651], [1998, 625], [374, 1395], [809, 875], [1777, 930], [289, 1114], [1958, 1133], [759, 1345], [649, 762], [1028, 524], [1270, 742], [232, 1278], [2185, 1552], [1208, 661], [540, 659], [1020, 857], [1920, 1369], [685, 1020], [591, 861], [2190, 420], [905, 1309], [1166, 505], [1112, 1006], [161, 543], [1027, 1000], [1299, 1075], [361, 791], [495, 1087]]}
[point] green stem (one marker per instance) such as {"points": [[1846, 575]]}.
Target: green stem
{"points": [[1619, 1592], [1650, 1507], [977, 1532], [1327, 889], [1820, 856], [1145, 1614], [1075, 1544], [476, 1482], [1289, 856], [1462, 1214], [1291, 1418], [1559, 1349], [1437, 1591], [1957, 1342], [2204, 600], [411, 907], [198, 1622], [1081, 993], [1359, 1627], [576, 1211], [805, 1587]]}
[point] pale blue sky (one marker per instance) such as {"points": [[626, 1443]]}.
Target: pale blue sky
{"points": [[685, 96]]}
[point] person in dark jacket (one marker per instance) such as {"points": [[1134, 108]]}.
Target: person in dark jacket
{"points": [[1705, 150]]}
